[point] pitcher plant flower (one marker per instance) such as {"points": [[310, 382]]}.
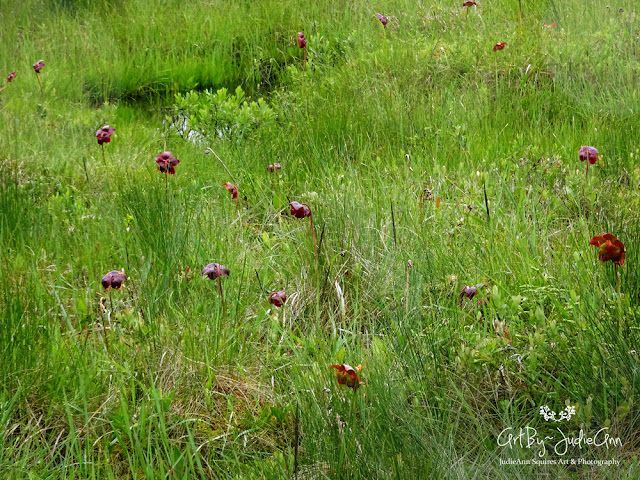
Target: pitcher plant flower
{"points": [[273, 167], [39, 65], [278, 299], [468, 4], [302, 44], [103, 136], [302, 210], [167, 163], [111, 281], [347, 375], [114, 279], [470, 291], [383, 20], [215, 270], [590, 154], [499, 46], [610, 250], [233, 190], [10, 78]]}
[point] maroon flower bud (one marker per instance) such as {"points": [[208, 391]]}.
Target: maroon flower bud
{"points": [[215, 270], [232, 189], [104, 134], [383, 19], [38, 66], [469, 3], [167, 162], [588, 153], [302, 42], [499, 46], [277, 299], [272, 168], [11, 76], [114, 279], [300, 210]]}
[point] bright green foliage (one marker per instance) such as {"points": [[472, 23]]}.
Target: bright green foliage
{"points": [[219, 115]]}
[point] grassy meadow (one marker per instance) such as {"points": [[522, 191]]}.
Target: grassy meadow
{"points": [[429, 161]]}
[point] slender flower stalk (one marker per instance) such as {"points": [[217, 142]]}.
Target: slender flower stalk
{"points": [[167, 164], [302, 43], [302, 210], [39, 65], [215, 270], [590, 154]]}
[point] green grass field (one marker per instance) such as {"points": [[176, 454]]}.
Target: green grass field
{"points": [[414, 144]]}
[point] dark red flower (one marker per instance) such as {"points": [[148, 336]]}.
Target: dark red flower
{"points": [[114, 279], [11, 76], [38, 66], [167, 163], [499, 46], [469, 3], [383, 19], [611, 249], [300, 210], [470, 291], [347, 375], [104, 134], [272, 168], [302, 42], [232, 189], [277, 299], [215, 270], [588, 153]]}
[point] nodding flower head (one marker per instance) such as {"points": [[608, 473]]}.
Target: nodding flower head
{"points": [[499, 46], [302, 42], [610, 248], [11, 76], [299, 210], [469, 3], [104, 134], [273, 167], [232, 189], [114, 279], [347, 375], [277, 299], [383, 20], [588, 153], [167, 163], [470, 290], [215, 270], [39, 65]]}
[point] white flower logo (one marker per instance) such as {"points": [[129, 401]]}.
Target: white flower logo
{"points": [[565, 414]]}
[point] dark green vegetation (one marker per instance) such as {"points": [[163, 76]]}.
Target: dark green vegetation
{"points": [[393, 137]]}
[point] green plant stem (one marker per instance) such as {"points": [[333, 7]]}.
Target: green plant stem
{"points": [[41, 89], [313, 231], [520, 8]]}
